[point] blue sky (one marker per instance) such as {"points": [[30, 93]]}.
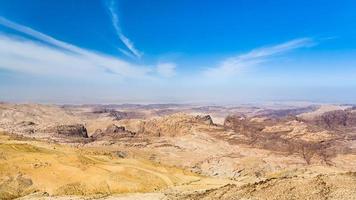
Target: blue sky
{"points": [[116, 51]]}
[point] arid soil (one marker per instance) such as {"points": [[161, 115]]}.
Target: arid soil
{"points": [[172, 151]]}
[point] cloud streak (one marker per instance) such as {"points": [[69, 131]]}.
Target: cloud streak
{"points": [[40, 36], [52, 56], [232, 65], [127, 42]]}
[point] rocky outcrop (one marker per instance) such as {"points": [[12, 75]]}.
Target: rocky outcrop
{"points": [[282, 113], [205, 119], [285, 136], [26, 123], [115, 114], [118, 115], [99, 110], [173, 125], [76, 130], [112, 129], [112, 132], [335, 119], [243, 124], [121, 154]]}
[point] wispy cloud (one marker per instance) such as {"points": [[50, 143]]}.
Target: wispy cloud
{"points": [[40, 36], [126, 53], [52, 56], [116, 23], [233, 65], [166, 69]]}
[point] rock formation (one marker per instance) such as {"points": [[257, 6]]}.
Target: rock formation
{"points": [[76, 130], [172, 125], [112, 132], [206, 119], [291, 137], [111, 129], [336, 119]]}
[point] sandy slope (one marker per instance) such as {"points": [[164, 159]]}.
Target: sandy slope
{"points": [[34, 166]]}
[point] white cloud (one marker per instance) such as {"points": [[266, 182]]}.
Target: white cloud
{"points": [[122, 37], [40, 36], [166, 69], [232, 65], [64, 59], [127, 53]]}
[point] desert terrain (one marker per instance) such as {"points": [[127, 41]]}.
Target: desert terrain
{"points": [[178, 151]]}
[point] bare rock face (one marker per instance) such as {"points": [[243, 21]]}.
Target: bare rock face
{"points": [[177, 124], [26, 123], [282, 113], [293, 138], [231, 120], [336, 119], [76, 130], [243, 124], [100, 110], [114, 129], [121, 154], [115, 114], [112, 132], [333, 119], [118, 115], [206, 119], [97, 134], [27, 127]]}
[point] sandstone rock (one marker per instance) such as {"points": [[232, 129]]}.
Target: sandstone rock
{"points": [[29, 131], [102, 110], [114, 129], [231, 120], [97, 133], [282, 113], [76, 130], [121, 154], [112, 132], [275, 135], [243, 124], [206, 119], [26, 123], [335, 119], [177, 124], [118, 115]]}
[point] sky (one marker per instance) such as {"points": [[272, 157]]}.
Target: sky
{"points": [[177, 51]]}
